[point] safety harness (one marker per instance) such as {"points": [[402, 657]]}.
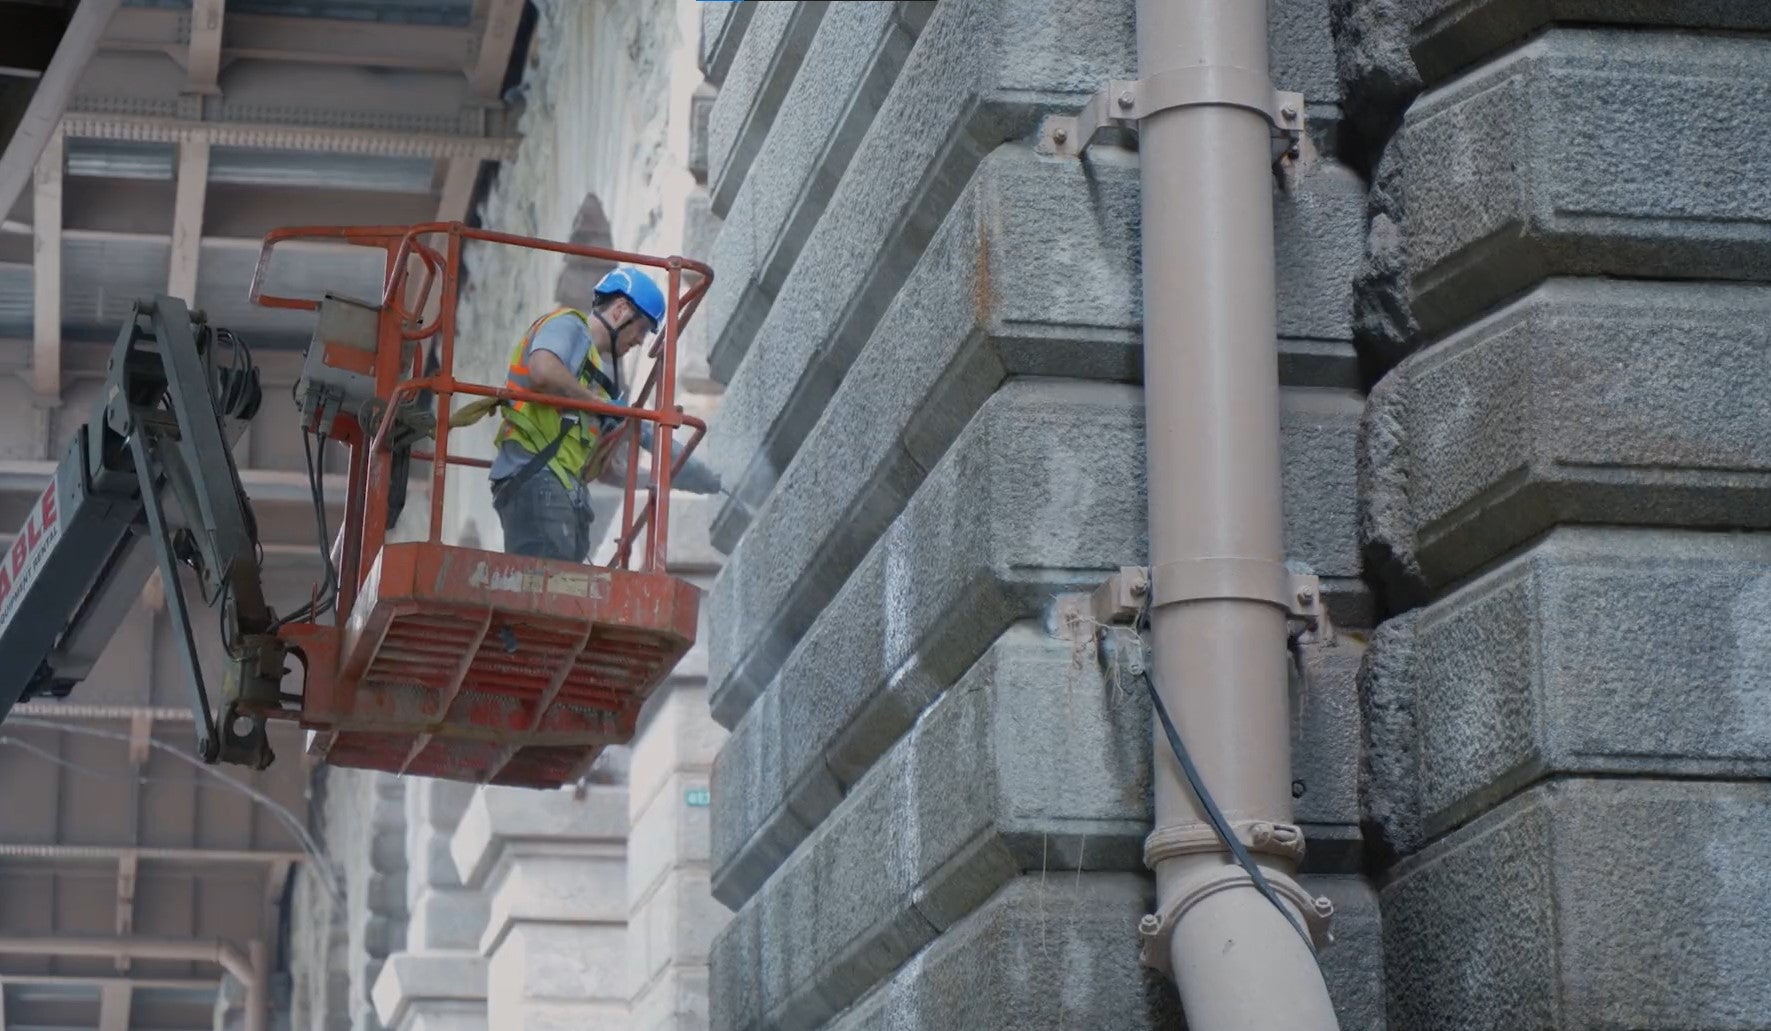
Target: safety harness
{"points": [[517, 377]]}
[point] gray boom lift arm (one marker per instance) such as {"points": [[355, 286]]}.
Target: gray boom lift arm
{"points": [[178, 394]]}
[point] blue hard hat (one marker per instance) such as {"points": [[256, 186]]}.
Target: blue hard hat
{"points": [[629, 282]]}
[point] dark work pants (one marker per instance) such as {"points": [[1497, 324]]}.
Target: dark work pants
{"points": [[542, 518]]}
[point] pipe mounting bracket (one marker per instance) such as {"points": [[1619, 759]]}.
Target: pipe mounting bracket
{"points": [[1123, 103], [1267, 837], [1123, 596], [1229, 578], [1157, 929]]}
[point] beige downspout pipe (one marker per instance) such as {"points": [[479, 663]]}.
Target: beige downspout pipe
{"points": [[1212, 422], [251, 973]]}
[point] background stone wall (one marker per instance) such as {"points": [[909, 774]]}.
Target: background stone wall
{"points": [[931, 810], [522, 909], [1566, 752]]}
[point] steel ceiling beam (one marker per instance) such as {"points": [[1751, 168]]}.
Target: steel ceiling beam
{"points": [[495, 26], [459, 175], [54, 88], [203, 66], [187, 220], [86, 360], [298, 40], [98, 980], [496, 23], [113, 1005], [136, 854], [141, 732], [249, 972], [233, 211], [46, 247], [220, 953], [270, 135]]}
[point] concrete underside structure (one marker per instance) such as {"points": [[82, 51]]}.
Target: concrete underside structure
{"points": [[163, 139], [1523, 358]]}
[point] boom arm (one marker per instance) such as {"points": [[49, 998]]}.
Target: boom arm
{"points": [[162, 432]]}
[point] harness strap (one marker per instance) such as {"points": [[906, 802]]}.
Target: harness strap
{"points": [[535, 464]]}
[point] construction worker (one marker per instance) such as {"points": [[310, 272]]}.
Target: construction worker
{"points": [[538, 476]]}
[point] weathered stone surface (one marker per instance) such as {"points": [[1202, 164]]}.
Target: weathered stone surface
{"points": [[722, 29], [672, 928], [998, 293], [1326, 738], [1584, 402], [1514, 173], [1038, 496], [1434, 39], [767, 59], [558, 976], [700, 110], [1588, 904], [500, 819], [676, 739], [968, 557], [916, 386], [677, 1001], [667, 834], [1059, 684], [411, 985], [981, 73], [1031, 762], [1318, 226], [1037, 261], [1042, 953], [1046, 291], [1599, 651], [849, 69], [1353, 963], [854, 480], [1301, 51]]}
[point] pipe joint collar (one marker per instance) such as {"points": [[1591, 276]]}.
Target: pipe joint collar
{"points": [[1282, 840], [1156, 930]]}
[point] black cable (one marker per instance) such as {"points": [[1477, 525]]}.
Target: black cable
{"points": [[1212, 813], [221, 620], [317, 480], [328, 593]]}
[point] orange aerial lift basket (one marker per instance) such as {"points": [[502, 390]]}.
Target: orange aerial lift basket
{"points": [[456, 662]]}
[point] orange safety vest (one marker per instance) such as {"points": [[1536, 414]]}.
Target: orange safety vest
{"points": [[534, 426]]}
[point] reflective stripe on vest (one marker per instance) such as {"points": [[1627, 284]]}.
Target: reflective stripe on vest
{"points": [[534, 426]]}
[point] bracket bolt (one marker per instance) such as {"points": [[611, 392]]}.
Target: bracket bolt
{"points": [[1139, 588], [1149, 924], [1289, 113], [1126, 99], [1060, 135], [1306, 596]]}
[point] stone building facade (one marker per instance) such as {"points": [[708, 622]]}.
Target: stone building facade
{"points": [[462, 909], [1523, 354]]}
